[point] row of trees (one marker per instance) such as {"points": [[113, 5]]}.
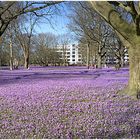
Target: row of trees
{"points": [[17, 22], [97, 40], [35, 49], [94, 35], [19, 42]]}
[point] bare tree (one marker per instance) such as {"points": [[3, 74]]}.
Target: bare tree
{"points": [[24, 35], [11, 53], [124, 18], [86, 23], [10, 38], [11, 10], [4, 52], [64, 40], [44, 50], [118, 48]]}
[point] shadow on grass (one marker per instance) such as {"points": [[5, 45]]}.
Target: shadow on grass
{"points": [[9, 77]]}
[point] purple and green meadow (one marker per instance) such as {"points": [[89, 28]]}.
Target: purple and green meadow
{"points": [[67, 102]]}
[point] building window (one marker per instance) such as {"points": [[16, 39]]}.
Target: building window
{"points": [[79, 55], [73, 52], [73, 59], [73, 55]]}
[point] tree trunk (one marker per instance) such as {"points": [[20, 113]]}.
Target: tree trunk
{"points": [[88, 56], [11, 56], [26, 61], [122, 61], [99, 60], [26, 57], [64, 55], [0, 57], [99, 56], [134, 70]]}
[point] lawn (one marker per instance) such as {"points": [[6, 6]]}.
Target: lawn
{"points": [[67, 102]]}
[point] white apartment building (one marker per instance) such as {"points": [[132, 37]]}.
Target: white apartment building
{"points": [[70, 53]]}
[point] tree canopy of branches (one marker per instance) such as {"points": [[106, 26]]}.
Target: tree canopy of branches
{"points": [[24, 35], [44, 51], [10, 10], [91, 30]]}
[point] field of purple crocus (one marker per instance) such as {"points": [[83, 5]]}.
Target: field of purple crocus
{"points": [[67, 102]]}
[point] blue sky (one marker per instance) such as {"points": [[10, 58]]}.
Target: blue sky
{"points": [[58, 26], [59, 23]]}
